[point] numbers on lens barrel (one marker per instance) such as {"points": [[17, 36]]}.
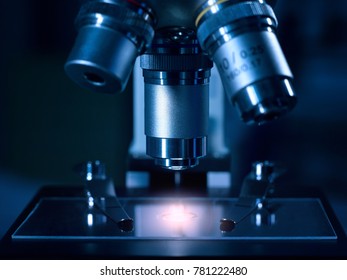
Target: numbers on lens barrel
{"points": [[252, 51], [242, 61]]}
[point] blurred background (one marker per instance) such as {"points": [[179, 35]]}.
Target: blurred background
{"points": [[48, 124]]}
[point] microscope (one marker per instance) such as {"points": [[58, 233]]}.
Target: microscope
{"points": [[190, 61], [178, 43]]}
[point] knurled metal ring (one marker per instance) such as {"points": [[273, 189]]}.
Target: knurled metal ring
{"points": [[175, 62]]}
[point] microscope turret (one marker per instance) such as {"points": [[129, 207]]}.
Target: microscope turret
{"points": [[178, 42]]}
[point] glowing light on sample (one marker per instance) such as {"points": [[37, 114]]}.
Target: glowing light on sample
{"points": [[178, 214]]}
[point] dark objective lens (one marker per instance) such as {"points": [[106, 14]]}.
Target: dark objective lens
{"points": [[111, 35], [240, 38], [176, 75]]}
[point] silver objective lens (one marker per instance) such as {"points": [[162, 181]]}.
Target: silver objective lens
{"points": [[112, 33], [240, 38], [176, 76]]}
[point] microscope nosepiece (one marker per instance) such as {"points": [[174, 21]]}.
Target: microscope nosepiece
{"points": [[240, 38], [176, 76], [237, 35]]}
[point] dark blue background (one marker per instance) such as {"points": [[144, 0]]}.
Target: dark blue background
{"points": [[48, 124]]}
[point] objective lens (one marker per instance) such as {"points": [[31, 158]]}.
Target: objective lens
{"points": [[176, 76], [112, 33], [240, 38]]}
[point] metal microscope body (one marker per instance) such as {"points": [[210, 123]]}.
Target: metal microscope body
{"points": [[179, 42]]}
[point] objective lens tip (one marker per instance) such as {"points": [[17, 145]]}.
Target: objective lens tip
{"points": [[177, 164], [265, 100]]}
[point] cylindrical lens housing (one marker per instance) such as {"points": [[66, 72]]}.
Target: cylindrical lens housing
{"points": [[176, 76], [111, 35], [240, 38]]}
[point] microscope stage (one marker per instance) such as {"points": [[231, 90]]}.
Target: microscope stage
{"points": [[72, 218]]}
